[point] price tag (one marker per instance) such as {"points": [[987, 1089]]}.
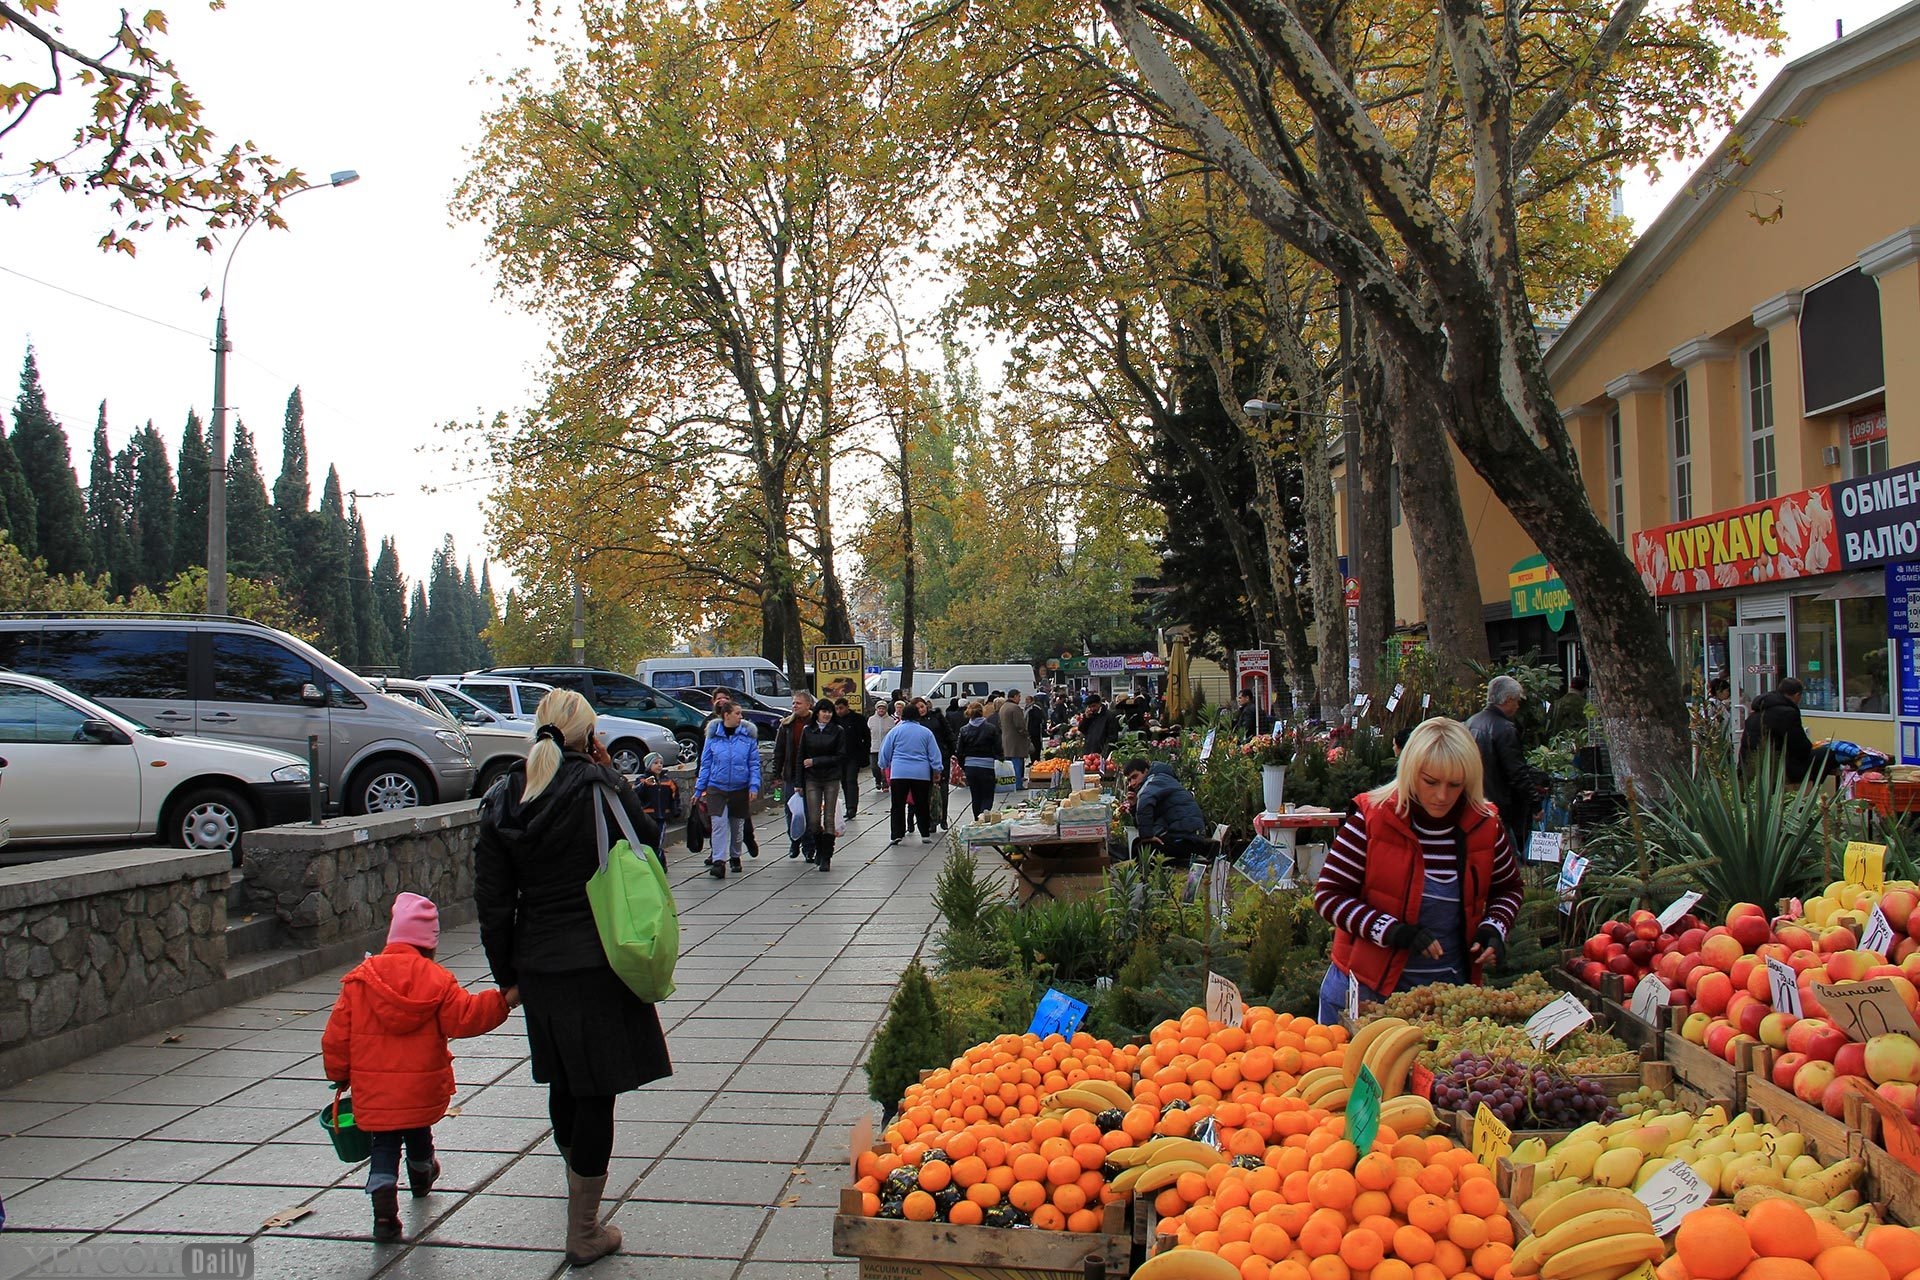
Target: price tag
{"points": [[1573, 868], [1353, 998], [1677, 908], [1218, 879], [1672, 1194], [1877, 937], [1491, 1138], [1546, 846], [1363, 1110], [1393, 699], [1206, 746], [1420, 1081], [1897, 1133], [1557, 1021], [1649, 998], [1866, 864], [1058, 1014], [1426, 700], [1866, 1009], [1644, 1271], [1783, 982], [1223, 1001]]}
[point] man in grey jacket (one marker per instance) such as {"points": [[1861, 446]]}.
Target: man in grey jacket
{"points": [[1512, 785]]}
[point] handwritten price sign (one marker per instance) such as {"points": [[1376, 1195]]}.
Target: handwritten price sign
{"points": [[1491, 1138], [1677, 908], [1877, 937], [1783, 983], [1223, 999], [1866, 864], [1672, 1194], [1649, 998], [1557, 1021], [1865, 1009]]}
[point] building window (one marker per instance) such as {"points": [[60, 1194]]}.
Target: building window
{"points": [[1863, 655], [1867, 443], [1763, 475], [1816, 653], [1616, 481], [1680, 424]]}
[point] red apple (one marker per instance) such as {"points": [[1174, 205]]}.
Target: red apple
{"points": [[1903, 946], [1785, 1067], [1794, 937], [1629, 981], [1617, 931], [1719, 1035], [1691, 939], [1736, 1045], [1803, 959], [1838, 938], [1900, 1093], [1907, 989], [1641, 952], [1851, 1060], [1592, 972], [1750, 931], [1850, 965], [1774, 1028], [1714, 991], [1810, 1006], [1882, 971], [1897, 906], [1773, 951], [1760, 984], [1721, 952], [1596, 947], [1621, 964], [1834, 1100], [1825, 1041], [1811, 1081], [1743, 968], [1752, 1015]]}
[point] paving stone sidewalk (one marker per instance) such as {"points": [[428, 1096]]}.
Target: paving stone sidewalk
{"points": [[729, 1170]]}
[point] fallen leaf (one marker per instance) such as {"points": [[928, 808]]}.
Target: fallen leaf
{"points": [[175, 1038], [452, 1112], [789, 1202], [288, 1216]]}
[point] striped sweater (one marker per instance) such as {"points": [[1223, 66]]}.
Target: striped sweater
{"points": [[1339, 893]]}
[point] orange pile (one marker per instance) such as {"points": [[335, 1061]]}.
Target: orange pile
{"points": [[1226, 1073], [1410, 1208], [1779, 1240]]}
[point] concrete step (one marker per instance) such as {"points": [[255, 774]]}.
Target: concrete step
{"points": [[236, 893], [245, 936]]}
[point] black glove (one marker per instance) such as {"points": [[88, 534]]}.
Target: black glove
{"points": [[1490, 940], [1409, 937]]}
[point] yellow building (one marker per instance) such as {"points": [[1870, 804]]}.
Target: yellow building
{"points": [[1744, 396]]}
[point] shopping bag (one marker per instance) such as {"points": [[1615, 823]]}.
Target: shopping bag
{"points": [[839, 815], [1003, 775], [633, 907], [796, 817], [699, 826], [956, 776]]}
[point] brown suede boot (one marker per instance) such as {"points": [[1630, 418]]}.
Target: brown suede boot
{"points": [[588, 1240], [386, 1214]]}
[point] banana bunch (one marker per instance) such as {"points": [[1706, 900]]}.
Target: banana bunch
{"points": [[1089, 1095], [1324, 1087], [1409, 1113], [1595, 1233], [1154, 1166], [1388, 1047], [1187, 1264]]}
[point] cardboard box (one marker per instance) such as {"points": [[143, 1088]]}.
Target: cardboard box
{"points": [[1083, 831]]}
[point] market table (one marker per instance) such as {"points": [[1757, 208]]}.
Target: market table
{"points": [[1282, 830], [1035, 863]]}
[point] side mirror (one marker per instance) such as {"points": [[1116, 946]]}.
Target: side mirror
{"points": [[312, 695], [96, 730], [477, 716], [644, 704]]}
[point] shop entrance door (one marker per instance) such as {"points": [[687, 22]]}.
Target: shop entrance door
{"points": [[1759, 661]]}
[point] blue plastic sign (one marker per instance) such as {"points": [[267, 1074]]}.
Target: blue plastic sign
{"points": [[1266, 864], [1057, 1014]]}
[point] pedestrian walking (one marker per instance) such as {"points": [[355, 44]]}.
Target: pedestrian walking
{"points": [[956, 717], [1015, 745], [786, 762], [1036, 727], [591, 1037], [386, 1041], [911, 757], [729, 779], [748, 839], [1512, 785], [979, 751], [822, 748], [937, 792], [877, 726], [857, 745]]}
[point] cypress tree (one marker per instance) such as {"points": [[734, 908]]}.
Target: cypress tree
{"points": [[416, 664], [489, 614], [124, 559], [40, 443], [153, 508], [253, 544], [470, 621], [324, 564], [190, 499], [109, 496], [390, 603], [291, 493], [437, 646], [371, 647], [17, 507]]}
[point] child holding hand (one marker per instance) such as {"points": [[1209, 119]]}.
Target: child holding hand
{"points": [[387, 1040]]}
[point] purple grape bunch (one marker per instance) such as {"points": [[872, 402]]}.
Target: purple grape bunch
{"points": [[1522, 1096]]}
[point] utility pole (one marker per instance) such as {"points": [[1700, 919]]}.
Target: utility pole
{"points": [[579, 618], [217, 475]]}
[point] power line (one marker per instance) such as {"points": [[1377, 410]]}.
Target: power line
{"points": [[98, 302]]}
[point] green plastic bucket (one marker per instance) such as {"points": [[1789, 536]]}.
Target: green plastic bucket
{"points": [[350, 1142]]}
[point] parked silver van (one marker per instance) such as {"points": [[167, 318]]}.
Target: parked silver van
{"points": [[246, 682]]}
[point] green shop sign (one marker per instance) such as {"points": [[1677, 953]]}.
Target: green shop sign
{"points": [[1536, 591]]}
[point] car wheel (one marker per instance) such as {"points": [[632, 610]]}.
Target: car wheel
{"points": [[628, 754], [208, 819], [689, 745], [388, 786], [491, 774]]}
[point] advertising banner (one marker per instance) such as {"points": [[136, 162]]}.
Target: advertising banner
{"points": [[1106, 666], [1535, 590], [1879, 517], [1253, 672], [1791, 536], [836, 673]]}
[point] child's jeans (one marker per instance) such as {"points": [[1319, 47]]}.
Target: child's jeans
{"points": [[385, 1169]]}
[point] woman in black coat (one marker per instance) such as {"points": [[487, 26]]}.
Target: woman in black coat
{"points": [[822, 748], [592, 1038]]}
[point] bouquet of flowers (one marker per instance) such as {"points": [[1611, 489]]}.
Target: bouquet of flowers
{"points": [[1269, 748]]}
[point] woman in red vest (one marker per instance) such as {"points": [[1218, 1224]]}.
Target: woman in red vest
{"points": [[1420, 882]]}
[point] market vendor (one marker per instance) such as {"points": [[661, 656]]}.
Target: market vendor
{"points": [[1164, 811], [1420, 882]]}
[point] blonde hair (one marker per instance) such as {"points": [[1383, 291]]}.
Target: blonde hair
{"points": [[1443, 747], [568, 712]]}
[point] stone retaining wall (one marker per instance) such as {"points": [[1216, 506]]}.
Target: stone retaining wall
{"points": [[338, 880], [83, 939]]}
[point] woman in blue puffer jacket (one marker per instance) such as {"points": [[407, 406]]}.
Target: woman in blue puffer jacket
{"points": [[730, 777], [911, 757]]}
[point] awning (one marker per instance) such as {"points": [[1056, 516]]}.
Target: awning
{"points": [[1857, 586]]}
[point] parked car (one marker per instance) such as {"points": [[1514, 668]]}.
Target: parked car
{"points": [[620, 695], [244, 682], [752, 709], [494, 743], [78, 770], [629, 741]]}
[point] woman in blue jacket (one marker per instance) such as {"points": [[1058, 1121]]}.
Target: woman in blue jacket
{"points": [[730, 777], [911, 757]]}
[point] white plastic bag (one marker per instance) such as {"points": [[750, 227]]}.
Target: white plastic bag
{"points": [[796, 817], [839, 814]]}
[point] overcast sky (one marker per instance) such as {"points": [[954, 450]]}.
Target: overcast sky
{"points": [[375, 303]]}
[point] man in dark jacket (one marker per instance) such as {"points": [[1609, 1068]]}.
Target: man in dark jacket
{"points": [[956, 717], [1165, 812], [1246, 720], [1098, 726], [1512, 785], [858, 746], [1570, 712], [1773, 725], [1036, 726]]}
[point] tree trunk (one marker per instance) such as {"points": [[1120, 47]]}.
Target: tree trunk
{"points": [[1370, 531], [908, 574], [1290, 624], [1323, 569], [1430, 501]]}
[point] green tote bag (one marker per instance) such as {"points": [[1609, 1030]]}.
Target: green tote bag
{"points": [[633, 906]]}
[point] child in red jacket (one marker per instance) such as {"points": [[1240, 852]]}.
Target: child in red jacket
{"points": [[387, 1039]]}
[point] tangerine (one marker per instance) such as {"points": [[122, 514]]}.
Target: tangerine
{"points": [[1069, 1199], [966, 1214], [1026, 1196], [984, 1194], [1765, 1268], [1412, 1244], [1480, 1197], [1713, 1243], [1467, 1231], [1898, 1247], [1323, 1233], [1269, 1241], [1329, 1267], [1362, 1250], [1849, 1262], [1332, 1189], [919, 1206], [1029, 1167], [1085, 1221], [1064, 1169], [1048, 1218], [1780, 1228], [1489, 1258], [1429, 1213], [935, 1175]]}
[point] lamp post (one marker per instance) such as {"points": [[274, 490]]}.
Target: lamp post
{"points": [[217, 472]]}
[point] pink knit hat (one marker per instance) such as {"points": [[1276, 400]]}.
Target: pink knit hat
{"points": [[416, 922]]}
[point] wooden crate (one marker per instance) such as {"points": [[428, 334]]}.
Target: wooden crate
{"points": [[1831, 1137], [889, 1249], [1609, 1005], [1891, 1184], [1699, 1072]]}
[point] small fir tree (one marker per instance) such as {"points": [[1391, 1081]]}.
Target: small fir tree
{"points": [[153, 509], [910, 1042]]}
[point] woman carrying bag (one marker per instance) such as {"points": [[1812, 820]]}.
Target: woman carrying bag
{"points": [[822, 747], [541, 840]]}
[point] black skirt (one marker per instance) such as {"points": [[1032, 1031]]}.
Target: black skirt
{"points": [[591, 1034]]}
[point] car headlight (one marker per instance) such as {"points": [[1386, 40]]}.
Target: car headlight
{"points": [[454, 739], [292, 773]]}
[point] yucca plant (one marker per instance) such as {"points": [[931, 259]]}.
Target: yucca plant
{"points": [[1756, 839]]}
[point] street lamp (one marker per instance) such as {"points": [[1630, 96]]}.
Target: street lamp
{"points": [[217, 473]]}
